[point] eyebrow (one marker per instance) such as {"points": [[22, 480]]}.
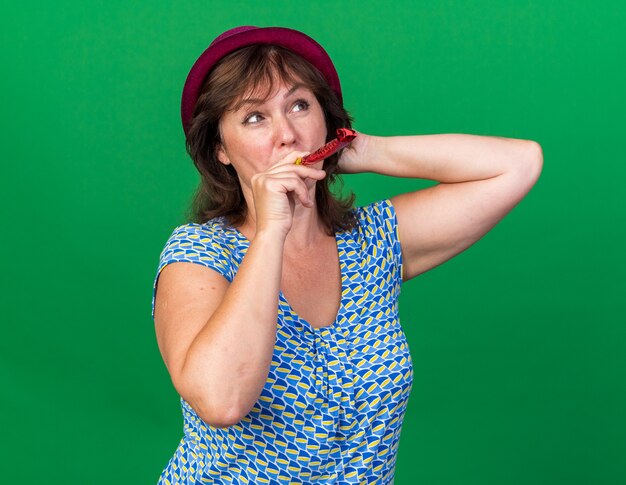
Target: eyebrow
{"points": [[293, 89]]}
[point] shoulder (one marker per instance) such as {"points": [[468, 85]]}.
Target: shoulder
{"points": [[376, 212], [378, 218], [377, 225], [211, 244], [213, 228], [377, 238], [193, 236]]}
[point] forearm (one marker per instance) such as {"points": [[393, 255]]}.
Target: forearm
{"points": [[446, 158], [228, 362]]}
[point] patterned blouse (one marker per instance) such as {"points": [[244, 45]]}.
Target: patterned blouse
{"points": [[332, 407]]}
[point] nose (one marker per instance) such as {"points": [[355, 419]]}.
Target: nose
{"points": [[285, 132]]}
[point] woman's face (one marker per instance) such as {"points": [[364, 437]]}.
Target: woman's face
{"points": [[260, 133]]}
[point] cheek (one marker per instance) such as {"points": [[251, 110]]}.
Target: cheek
{"points": [[240, 144], [321, 126], [249, 154], [256, 151]]}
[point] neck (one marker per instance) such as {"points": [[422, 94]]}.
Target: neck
{"points": [[307, 228]]}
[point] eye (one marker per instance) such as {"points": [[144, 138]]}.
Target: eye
{"points": [[301, 105], [253, 119]]}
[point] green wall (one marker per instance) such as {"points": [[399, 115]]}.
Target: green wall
{"points": [[518, 343]]}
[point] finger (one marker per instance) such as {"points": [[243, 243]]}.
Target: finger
{"points": [[290, 158], [302, 171], [291, 183]]}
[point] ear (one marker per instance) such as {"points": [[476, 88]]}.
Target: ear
{"points": [[221, 154]]}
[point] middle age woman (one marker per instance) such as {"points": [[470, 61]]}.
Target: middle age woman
{"points": [[272, 246]]}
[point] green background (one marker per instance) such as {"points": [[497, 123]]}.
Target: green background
{"points": [[518, 343]]}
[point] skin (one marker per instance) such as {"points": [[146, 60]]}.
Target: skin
{"points": [[262, 140], [217, 338]]}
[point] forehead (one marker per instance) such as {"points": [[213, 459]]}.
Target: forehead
{"points": [[259, 93]]}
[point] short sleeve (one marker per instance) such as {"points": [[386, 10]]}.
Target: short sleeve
{"points": [[380, 225], [195, 243]]}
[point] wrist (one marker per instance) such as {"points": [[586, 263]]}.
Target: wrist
{"points": [[272, 234], [362, 154]]}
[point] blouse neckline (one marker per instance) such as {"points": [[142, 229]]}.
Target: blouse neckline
{"points": [[282, 299]]}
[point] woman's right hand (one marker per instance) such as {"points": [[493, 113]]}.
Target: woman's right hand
{"points": [[279, 189], [199, 313]]}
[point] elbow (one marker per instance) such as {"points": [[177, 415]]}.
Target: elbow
{"points": [[218, 413], [218, 418], [535, 158], [529, 161]]}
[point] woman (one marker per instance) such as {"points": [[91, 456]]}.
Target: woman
{"points": [[276, 312]]}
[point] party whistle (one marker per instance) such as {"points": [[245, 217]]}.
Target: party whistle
{"points": [[344, 137]]}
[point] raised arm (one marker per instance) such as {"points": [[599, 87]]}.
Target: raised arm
{"points": [[481, 179]]}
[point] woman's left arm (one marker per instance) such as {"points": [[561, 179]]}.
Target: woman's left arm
{"points": [[481, 179]]}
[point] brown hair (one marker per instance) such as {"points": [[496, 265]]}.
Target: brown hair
{"points": [[254, 69]]}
